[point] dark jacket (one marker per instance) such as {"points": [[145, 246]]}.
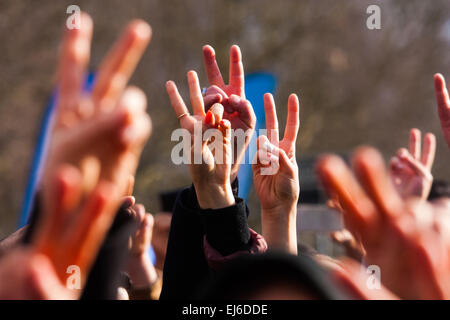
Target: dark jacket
{"points": [[201, 240]]}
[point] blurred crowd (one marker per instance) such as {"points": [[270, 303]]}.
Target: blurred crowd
{"points": [[87, 238]]}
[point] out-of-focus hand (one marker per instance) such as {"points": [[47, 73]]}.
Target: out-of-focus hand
{"points": [[410, 170], [85, 121], [275, 176], [26, 275], [57, 262], [237, 109], [210, 162], [407, 239], [353, 279], [353, 247], [139, 267], [95, 147], [141, 240], [443, 104]]}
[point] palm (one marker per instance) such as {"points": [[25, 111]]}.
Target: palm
{"points": [[278, 188], [209, 169], [412, 244], [408, 182], [398, 262], [410, 170], [281, 186], [218, 173]]}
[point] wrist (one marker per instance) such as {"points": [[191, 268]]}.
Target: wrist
{"points": [[279, 226], [141, 270], [282, 211], [214, 196]]}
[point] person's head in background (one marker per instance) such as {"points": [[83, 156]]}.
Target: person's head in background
{"points": [[273, 276]]}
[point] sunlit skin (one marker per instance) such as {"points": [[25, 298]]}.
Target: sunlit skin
{"points": [[443, 105], [278, 193], [85, 179], [237, 109], [410, 170], [139, 266], [211, 179], [406, 239], [32, 273]]}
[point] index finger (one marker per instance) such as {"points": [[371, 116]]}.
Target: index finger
{"points": [[176, 100], [211, 67], [236, 71], [414, 143], [339, 182], [73, 61], [442, 98], [372, 174], [195, 94], [429, 150], [293, 119], [119, 64], [271, 118]]}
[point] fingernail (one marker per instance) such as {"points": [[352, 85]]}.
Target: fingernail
{"points": [[209, 118]]}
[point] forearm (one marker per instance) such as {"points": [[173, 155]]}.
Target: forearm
{"points": [[185, 265], [141, 271], [279, 228]]}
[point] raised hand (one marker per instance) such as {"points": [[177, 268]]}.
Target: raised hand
{"points": [[237, 109], [25, 275], [275, 176], [139, 267], [411, 170], [210, 162], [443, 103], [67, 244], [111, 104], [236, 84], [408, 240], [95, 147]]}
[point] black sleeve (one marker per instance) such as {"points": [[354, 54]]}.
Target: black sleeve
{"points": [[185, 267], [226, 229], [105, 277]]}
